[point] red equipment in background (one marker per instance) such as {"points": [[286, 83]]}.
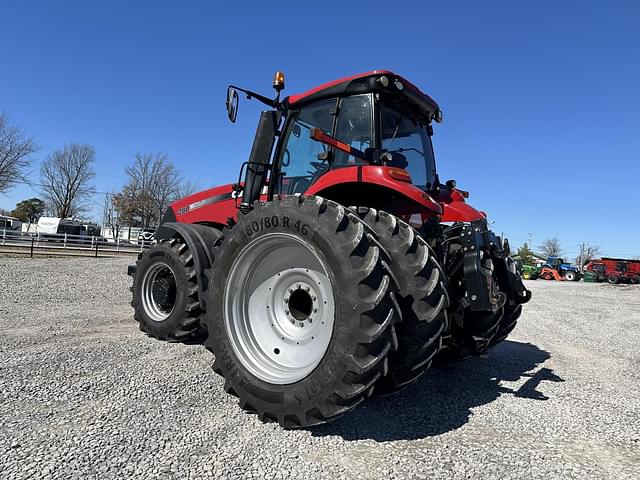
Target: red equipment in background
{"points": [[615, 270]]}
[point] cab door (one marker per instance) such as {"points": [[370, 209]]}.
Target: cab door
{"points": [[300, 160]]}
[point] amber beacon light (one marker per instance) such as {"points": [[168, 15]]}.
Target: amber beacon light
{"points": [[278, 81]]}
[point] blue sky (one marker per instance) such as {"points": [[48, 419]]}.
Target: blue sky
{"points": [[541, 99]]}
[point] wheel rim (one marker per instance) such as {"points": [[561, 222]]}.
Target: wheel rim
{"points": [[159, 291], [279, 308]]}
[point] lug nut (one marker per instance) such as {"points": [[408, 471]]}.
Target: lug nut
{"points": [[287, 312], [301, 324], [313, 298]]}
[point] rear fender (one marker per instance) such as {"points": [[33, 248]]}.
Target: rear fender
{"points": [[373, 186], [200, 240]]}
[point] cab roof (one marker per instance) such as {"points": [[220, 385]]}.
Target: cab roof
{"points": [[367, 82]]}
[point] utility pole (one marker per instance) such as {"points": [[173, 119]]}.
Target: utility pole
{"points": [[582, 252]]}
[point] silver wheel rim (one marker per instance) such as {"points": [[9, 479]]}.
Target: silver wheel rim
{"points": [[279, 308], [159, 291]]}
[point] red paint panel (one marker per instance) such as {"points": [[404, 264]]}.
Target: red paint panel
{"points": [[296, 98], [382, 176], [334, 177], [213, 205], [455, 209], [377, 175]]}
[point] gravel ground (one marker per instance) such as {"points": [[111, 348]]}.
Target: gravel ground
{"points": [[84, 394]]}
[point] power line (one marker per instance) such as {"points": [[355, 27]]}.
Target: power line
{"points": [[123, 162], [35, 184]]}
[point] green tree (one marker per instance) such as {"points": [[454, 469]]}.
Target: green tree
{"points": [[525, 254], [29, 210]]}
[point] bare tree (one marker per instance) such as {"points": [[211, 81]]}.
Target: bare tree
{"points": [[587, 253], [153, 184], [551, 247], [186, 187], [66, 177], [111, 216], [15, 149]]}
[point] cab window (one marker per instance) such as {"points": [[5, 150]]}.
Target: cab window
{"points": [[301, 159], [408, 141], [353, 127]]}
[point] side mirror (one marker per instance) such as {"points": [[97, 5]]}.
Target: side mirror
{"points": [[232, 104]]}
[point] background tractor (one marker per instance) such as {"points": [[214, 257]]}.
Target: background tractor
{"points": [[338, 266], [530, 272], [557, 269]]}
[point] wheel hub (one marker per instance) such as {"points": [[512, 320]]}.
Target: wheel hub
{"points": [[158, 291], [164, 292], [279, 308], [301, 302]]}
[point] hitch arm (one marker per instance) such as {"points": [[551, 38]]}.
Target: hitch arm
{"points": [[319, 136]]}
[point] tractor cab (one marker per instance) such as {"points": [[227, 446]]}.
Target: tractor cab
{"points": [[555, 263], [375, 127], [364, 129], [597, 267]]}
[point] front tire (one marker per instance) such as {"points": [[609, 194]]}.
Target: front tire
{"points": [[280, 359], [570, 276]]}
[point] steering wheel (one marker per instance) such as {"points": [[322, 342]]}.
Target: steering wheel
{"points": [[321, 169]]}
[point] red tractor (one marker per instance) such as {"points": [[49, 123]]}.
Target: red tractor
{"points": [[339, 266]]}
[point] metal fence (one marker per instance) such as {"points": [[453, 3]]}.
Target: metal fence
{"points": [[52, 244]]}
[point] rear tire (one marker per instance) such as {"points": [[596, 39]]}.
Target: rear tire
{"points": [[509, 321], [165, 292], [510, 316], [291, 377], [421, 295]]}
